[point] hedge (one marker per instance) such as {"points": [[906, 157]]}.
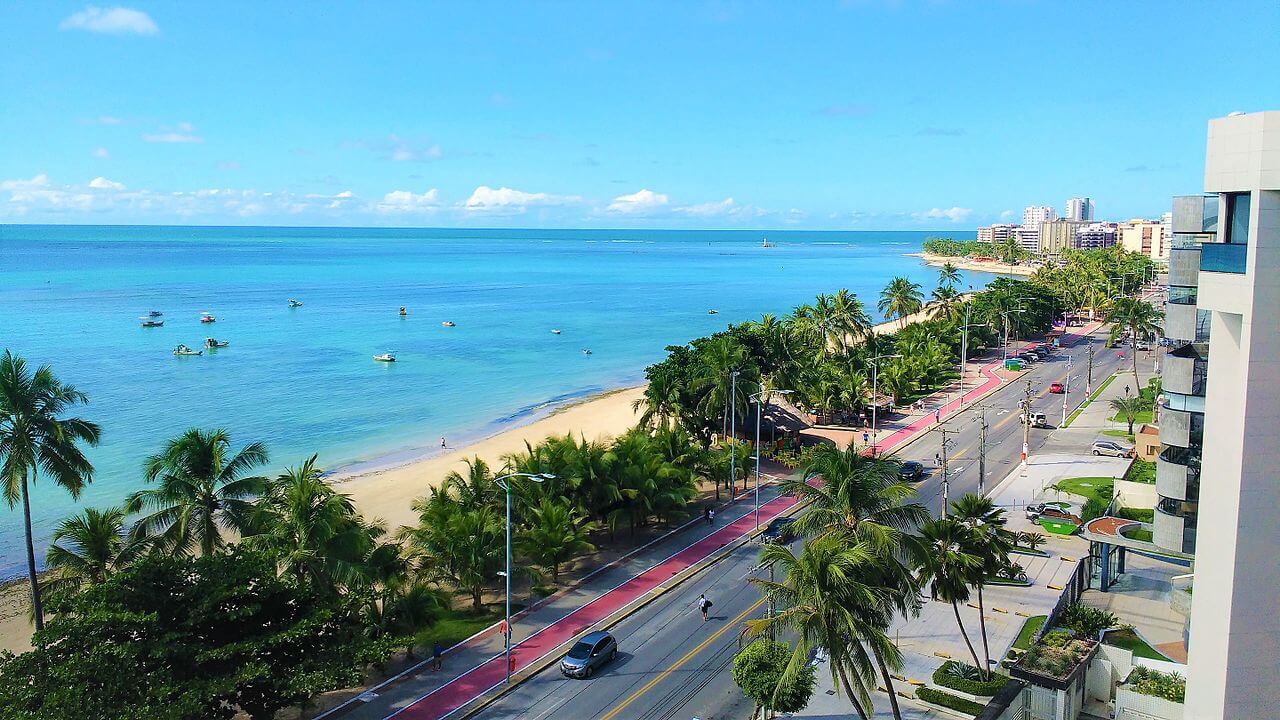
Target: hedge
{"points": [[947, 700], [973, 687]]}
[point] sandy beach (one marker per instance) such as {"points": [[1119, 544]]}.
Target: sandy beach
{"points": [[974, 265]]}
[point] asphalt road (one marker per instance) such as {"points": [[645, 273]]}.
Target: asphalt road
{"points": [[673, 665]]}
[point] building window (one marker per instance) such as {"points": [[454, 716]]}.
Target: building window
{"points": [[1238, 217]]}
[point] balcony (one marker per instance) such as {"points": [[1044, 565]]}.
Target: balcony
{"points": [[1224, 257], [1185, 371], [1184, 266], [1178, 473], [1180, 321], [1175, 427]]}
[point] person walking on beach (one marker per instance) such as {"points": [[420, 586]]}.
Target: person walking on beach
{"points": [[437, 657], [704, 605], [443, 445]]}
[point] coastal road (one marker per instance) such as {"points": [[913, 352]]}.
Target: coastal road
{"points": [[672, 665]]}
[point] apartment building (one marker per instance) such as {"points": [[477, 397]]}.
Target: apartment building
{"points": [[1146, 237], [1092, 236], [1058, 235], [1234, 644], [998, 233], [1079, 209]]}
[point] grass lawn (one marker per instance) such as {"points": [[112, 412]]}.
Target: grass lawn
{"points": [[1140, 534], [1129, 640], [1120, 434], [458, 625], [1139, 418], [1028, 631], [1088, 401], [1058, 528], [1141, 471], [1088, 487]]}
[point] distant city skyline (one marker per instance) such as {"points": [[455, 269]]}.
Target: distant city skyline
{"points": [[860, 115]]}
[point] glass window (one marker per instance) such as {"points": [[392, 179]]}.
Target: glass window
{"points": [[1238, 217], [1210, 214]]}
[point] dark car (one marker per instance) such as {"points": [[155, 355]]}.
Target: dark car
{"points": [[589, 654], [911, 470], [778, 531], [1029, 356]]}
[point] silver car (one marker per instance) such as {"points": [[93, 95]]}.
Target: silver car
{"points": [[589, 654], [1112, 448]]}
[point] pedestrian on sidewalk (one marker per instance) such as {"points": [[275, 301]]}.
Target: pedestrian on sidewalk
{"points": [[711, 516], [866, 438], [706, 515], [937, 416], [437, 657], [704, 605]]}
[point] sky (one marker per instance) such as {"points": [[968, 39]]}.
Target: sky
{"points": [[859, 115]]}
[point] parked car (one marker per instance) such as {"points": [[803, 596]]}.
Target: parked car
{"points": [[1014, 364], [1057, 388], [911, 470], [777, 531], [1028, 356], [589, 654], [1034, 510], [1112, 448]]}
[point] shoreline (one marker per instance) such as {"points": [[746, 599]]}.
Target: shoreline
{"points": [[993, 267]]}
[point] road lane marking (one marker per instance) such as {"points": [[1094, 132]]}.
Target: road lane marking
{"points": [[679, 663]]}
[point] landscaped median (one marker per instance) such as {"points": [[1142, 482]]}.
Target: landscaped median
{"points": [[1089, 400]]}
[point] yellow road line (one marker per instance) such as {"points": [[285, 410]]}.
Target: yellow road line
{"points": [[676, 666]]}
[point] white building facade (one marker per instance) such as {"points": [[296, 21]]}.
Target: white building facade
{"points": [[1079, 209], [1234, 647]]}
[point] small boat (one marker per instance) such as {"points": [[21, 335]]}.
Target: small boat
{"points": [[385, 357], [294, 303], [766, 244], [207, 318], [155, 313], [214, 343], [403, 311], [555, 332], [449, 323], [149, 321], [184, 351], [586, 351], [713, 312]]}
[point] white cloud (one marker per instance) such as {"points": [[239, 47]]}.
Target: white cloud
{"points": [[641, 202], [101, 153], [101, 183], [1006, 214], [952, 214], [173, 137], [505, 200], [107, 120], [112, 21], [404, 201], [711, 209], [345, 194], [39, 181]]}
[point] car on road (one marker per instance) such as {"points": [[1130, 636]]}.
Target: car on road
{"points": [[1057, 388], [911, 470], [777, 531], [1038, 420], [589, 654], [1112, 448], [1035, 510]]}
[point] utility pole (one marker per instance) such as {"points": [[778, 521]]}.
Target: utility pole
{"points": [[733, 433], [946, 478], [1066, 390], [1026, 423], [982, 452], [1088, 383]]}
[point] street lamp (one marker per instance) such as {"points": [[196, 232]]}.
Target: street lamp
{"points": [[761, 398], [875, 395], [964, 348], [504, 483]]}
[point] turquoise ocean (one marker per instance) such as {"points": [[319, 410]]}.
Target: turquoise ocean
{"points": [[303, 380]]}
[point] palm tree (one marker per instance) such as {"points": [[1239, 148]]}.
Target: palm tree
{"points": [[722, 356], [556, 533], [1139, 318], [661, 401], [465, 548], [900, 298], [850, 317], [823, 601], [1129, 407], [87, 548], [944, 565], [948, 275], [477, 489], [944, 301], [400, 604], [314, 532], [203, 489], [35, 437], [990, 543]]}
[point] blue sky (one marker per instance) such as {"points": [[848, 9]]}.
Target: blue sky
{"points": [[840, 115]]}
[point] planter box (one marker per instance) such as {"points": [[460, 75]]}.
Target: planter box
{"points": [[1132, 705]]}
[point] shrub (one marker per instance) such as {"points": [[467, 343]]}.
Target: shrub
{"points": [[1093, 508], [1141, 471], [1087, 621], [1145, 515], [1056, 655], [1170, 686], [967, 678], [758, 671], [947, 700]]}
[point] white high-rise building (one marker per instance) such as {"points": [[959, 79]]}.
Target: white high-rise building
{"points": [[1080, 209], [1036, 214], [1234, 643]]}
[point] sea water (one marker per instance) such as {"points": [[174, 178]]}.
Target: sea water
{"points": [[303, 380]]}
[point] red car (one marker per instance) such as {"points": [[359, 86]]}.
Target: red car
{"points": [[1057, 388]]}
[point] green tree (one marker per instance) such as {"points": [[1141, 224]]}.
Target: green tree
{"points": [[1140, 319], [399, 603], [158, 640], [948, 275], [87, 548], [823, 601], [36, 437], [203, 489], [990, 543], [1128, 407], [463, 548], [477, 488], [758, 670], [946, 567], [556, 533], [901, 298]]}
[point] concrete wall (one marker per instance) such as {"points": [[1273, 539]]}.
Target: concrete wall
{"points": [[1135, 495]]}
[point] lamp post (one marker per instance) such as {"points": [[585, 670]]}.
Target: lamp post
{"points": [[504, 482], [761, 398], [875, 395], [964, 348]]}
